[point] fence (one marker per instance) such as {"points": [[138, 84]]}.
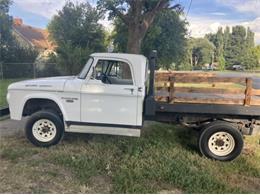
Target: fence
{"points": [[13, 72], [29, 70]]}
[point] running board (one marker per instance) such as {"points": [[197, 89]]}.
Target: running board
{"points": [[104, 130]]}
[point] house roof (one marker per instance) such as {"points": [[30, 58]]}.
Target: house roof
{"points": [[35, 36]]}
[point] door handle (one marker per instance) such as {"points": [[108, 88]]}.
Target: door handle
{"points": [[140, 89], [130, 89]]}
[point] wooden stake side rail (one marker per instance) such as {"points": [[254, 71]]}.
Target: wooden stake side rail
{"points": [[161, 75], [200, 79], [205, 89]]}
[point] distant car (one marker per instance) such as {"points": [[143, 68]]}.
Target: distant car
{"points": [[238, 68]]}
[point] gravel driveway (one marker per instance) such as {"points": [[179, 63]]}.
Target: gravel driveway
{"points": [[10, 127]]}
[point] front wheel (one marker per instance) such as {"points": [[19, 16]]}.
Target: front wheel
{"points": [[220, 141], [44, 128]]}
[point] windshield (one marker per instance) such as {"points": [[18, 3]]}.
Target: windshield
{"points": [[86, 68]]}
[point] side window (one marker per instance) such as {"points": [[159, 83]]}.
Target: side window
{"points": [[114, 72], [121, 70], [101, 69]]}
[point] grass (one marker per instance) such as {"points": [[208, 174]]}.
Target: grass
{"points": [[165, 159], [3, 90]]}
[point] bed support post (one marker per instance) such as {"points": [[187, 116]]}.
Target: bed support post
{"points": [[150, 104]]}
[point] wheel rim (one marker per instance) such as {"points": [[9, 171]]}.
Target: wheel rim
{"points": [[44, 130], [221, 143]]}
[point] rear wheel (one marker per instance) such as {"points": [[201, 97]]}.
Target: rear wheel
{"points": [[44, 128], [220, 140]]}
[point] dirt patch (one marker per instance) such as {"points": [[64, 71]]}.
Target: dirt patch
{"points": [[249, 149], [100, 184], [11, 127], [33, 174], [168, 189], [172, 191], [43, 178], [245, 183]]}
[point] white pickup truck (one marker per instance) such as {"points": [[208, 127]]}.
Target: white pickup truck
{"points": [[114, 94]]}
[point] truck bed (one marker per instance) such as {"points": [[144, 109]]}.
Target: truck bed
{"points": [[206, 94]]}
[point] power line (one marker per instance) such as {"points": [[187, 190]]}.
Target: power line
{"points": [[188, 9]]}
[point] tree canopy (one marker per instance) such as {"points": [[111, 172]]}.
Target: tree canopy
{"points": [[10, 49], [6, 38], [77, 33], [137, 15], [202, 51], [166, 35], [234, 47]]}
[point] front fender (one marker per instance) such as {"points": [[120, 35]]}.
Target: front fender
{"points": [[48, 96], [17, 101]]}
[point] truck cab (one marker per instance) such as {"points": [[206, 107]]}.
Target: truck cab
{"points": [[111, 95]]}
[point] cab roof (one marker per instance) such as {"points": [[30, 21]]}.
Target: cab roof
{"points": [[129, 57]]}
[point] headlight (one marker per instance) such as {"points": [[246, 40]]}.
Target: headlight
{"points": [[8, 97]]}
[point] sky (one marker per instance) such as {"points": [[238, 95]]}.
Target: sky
{"points": [[204, 16]]}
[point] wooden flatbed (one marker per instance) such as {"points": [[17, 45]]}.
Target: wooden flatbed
{"points": [[206, 93], [205, 88]]}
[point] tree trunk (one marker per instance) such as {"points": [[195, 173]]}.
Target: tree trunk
{"points": [[139, 23], [134, 45], [134, 40]]}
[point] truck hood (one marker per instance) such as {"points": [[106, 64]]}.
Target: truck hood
{"points": [[46, 84]]}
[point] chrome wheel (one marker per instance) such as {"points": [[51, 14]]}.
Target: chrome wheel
{"points": [[221, 143], [44, 130]]}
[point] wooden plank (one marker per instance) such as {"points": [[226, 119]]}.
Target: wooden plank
{"points": [[165, 85], [162, 88], [209, 90], [255, 92], [255, 102], [210, 79], [209, 101], [161, 98], [171, 89], [248, 92], [161, 76], [165, 76], [185, 73], [191, 79], [162, 85]]}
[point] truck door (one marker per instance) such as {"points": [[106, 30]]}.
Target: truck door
{"points": [[110, 96]]}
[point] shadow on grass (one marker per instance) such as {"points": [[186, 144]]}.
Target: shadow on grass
{"points": [[152, 134]]}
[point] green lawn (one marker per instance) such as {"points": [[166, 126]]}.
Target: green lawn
{"points": [[3, 90], [164, 160]]}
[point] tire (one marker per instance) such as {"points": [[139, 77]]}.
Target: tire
{"points": [[44, 128], [220, 141]]}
